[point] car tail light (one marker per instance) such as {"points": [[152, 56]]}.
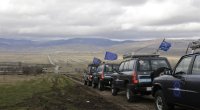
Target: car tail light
{"points": [[90, 76], [134, 78], [102, 74]]}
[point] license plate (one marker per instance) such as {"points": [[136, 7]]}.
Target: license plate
{"points": [[144, 80], [149, 88]]}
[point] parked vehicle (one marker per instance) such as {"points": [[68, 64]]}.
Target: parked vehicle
{"points": [[135, 75], [179, 86], [88, 74], [102, 77]]}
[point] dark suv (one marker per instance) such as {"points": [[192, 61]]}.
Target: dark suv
{"points": [[88, 74], [135, 75], [102, 77], [180, 86]]}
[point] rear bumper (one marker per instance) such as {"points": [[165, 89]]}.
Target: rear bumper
{"points": [[107, 81], [140, 89]]}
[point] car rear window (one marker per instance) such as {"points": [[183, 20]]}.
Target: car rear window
{"points": [[151, 65], [155, 64], [144, 65], [108, 68], [92, 69]]}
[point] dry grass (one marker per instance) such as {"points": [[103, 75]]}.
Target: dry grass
{"points": [[37, 58], [12, 79]]}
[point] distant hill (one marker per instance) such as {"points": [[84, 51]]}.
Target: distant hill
{"points": [[85, 41], [92, 45], [69, 44]]}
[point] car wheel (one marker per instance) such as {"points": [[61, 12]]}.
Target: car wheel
{"points": [[130, 95], [114, 90], [94, 84], [100, 86], [89, 83], [160, 102], [85, 82]]}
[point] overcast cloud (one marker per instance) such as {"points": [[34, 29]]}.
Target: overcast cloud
{"points": [[115, 19]]}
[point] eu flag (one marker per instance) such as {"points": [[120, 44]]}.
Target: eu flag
{"points": [[110, 56], [165, 46], [96, 61]]}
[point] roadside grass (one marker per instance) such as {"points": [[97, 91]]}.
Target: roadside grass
{"points": [[13, 94]]}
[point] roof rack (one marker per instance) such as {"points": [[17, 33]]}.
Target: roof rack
{"points": [[126, 56], [95, 65], [193, 45]]}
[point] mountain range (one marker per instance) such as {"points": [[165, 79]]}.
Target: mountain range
{"points": [[92, 45]]}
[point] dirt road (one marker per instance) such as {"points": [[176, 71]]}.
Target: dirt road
{"points": [[143, 103]]}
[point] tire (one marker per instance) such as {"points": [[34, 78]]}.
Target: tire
{"points": [[89, 83], [161, 103], [100, 86], [114, 90], [130, 96], [85, 82], [94, 85]]}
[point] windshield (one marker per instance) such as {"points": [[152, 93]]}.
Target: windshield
{"points": [[108, 68], [144, 65], [92, 69], [155, 64], [151, 65]]}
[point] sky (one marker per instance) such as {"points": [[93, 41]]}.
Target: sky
{"points": [[114, 19]]}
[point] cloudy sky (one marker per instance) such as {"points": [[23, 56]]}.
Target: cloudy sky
{"points": [[116, 19]]}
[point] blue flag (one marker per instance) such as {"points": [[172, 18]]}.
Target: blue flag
{"points": [[96, 61], [165, 46], [110, 56]]}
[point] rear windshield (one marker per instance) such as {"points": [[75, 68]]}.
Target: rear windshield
{"points": [[151, 65], [155, 64], [92, 69], [109, 68]]}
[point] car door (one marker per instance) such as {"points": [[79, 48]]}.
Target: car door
{"points": [[176, 84], [193, 82]]}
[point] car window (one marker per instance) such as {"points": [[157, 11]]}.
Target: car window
{"points": [[115, 67], [131, 65], [126, 65], [196, 66], [121, 67], [108, 68], [143, 65], [155, 64], [99, 69], [184, 64], [92, 69]]}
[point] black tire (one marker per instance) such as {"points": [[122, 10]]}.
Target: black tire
{"points": [[100, 86], [85, 82], [161, 103], [130, 96], [89, 83], [114, 90], [94, 85]]}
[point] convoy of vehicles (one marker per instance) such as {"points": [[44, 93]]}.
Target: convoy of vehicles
{"points": [[140, 75]]}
